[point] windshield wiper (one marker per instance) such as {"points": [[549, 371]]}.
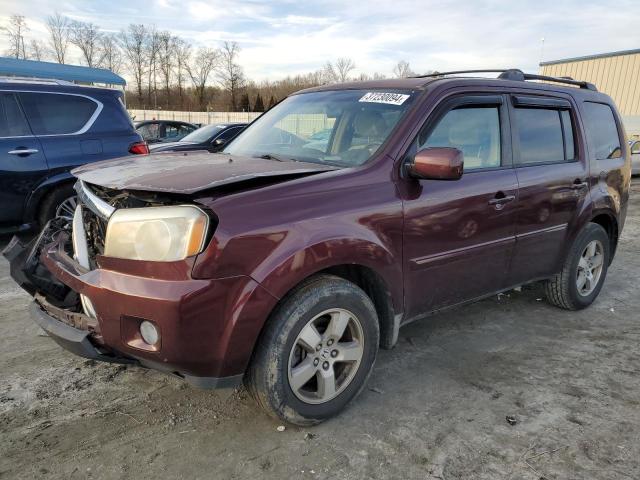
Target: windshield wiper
{"points": [[268, 156]]}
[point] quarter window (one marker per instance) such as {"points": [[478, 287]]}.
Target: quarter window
{"points": [[475, 131], [57, 114], [544, 135], [602, 129], [12, 121]]}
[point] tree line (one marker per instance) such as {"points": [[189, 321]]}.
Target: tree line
{"points": [[168, 72]]}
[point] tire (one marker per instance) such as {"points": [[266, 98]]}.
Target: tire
{"points": [[563, 289], [281, 352], [53, 200]]}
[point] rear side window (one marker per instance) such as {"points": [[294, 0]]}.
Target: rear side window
{"points": [[57, 114], [544, 135], [602, 129], [12, 121], [229, 133]]}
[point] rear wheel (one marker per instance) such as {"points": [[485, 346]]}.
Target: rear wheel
{"points": [[60, 202], [316, 353], [584, 270]]}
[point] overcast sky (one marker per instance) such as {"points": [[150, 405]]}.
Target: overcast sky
{"points": [[285, 37]]}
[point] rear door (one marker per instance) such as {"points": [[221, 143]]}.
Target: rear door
{"points": [[62, 123], [552, 169], [459, 235], [22, 163]]}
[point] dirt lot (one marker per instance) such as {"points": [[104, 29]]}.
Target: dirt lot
{"points": [[435, 407]]}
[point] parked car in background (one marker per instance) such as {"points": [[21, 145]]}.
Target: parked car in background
{"points": [[210, 137], [159, 131], [46, 129], [288, 267], [635, 157]]}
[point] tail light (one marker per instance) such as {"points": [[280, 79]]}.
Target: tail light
{"points": [[139, 148]]}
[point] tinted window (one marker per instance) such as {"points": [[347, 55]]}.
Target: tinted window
{"points": [[12, 121], [229, 133], [53, 114], [177, 131], [474, 131], [602, 129], [540, 134]]}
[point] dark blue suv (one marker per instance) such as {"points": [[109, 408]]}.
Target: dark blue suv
{"points": [[47, 128]]}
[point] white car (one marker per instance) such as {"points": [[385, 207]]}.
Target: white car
{"points": [[635, 157]]}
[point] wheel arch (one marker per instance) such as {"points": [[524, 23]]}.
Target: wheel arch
{"points": [[35, 199], [607, 221]]}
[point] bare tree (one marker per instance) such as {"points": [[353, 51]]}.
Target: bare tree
{"points": [[231, 75], [37, 50], [182, 56], [402, 70], [338, 72], [343, 67], [200, 69], [167, 60], [58, 27], [86, 36], [133, 41], [110, 54], [16, 31], [152, 51]]}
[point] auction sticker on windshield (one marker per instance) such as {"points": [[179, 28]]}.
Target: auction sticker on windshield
{"points": [[382, 97]]}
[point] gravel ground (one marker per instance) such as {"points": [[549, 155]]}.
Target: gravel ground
{"points": [[437, 406]]}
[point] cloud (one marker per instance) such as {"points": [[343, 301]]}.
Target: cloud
{"points": [[284, 37]]}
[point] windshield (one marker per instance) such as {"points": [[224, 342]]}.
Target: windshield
{"points": [[340, 127], [203, 134]]}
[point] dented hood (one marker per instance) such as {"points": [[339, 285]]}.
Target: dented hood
{"points": [[187, 173]]}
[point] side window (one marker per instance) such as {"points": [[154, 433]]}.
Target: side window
{"points": [[602, 130], [12, 121], [473, 130], [545, 136], [228, 134], [57, 114]]}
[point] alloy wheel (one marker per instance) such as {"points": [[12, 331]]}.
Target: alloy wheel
{"points": [[590, 268], [326, 356], [67, 208]]}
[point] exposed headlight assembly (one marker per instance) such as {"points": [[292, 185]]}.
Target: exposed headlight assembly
{"points": [[160, 234]]}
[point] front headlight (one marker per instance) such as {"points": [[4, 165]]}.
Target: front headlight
{"points": [[161, 234]]}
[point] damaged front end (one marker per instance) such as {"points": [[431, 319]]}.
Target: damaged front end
{"points": [[66, 315], [57, 309]]}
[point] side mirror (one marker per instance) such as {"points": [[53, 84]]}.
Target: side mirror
{"points": [[439, 163], [635, 148], [219, 142]]}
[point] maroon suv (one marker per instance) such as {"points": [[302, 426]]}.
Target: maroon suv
{"points": [[287, 260]]}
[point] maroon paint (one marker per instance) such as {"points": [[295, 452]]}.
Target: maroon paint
{"points": [[416, 235]]}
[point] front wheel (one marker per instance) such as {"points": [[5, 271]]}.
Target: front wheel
{"points": [[316, 353], [584, 270]]}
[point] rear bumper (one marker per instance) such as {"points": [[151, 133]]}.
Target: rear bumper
{"points": [[207, 327]]}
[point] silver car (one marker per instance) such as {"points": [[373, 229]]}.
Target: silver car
{"points": [[635, 157]]}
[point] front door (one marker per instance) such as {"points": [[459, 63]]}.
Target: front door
{"points": [[459, 235], [22, 163], [552, 173]]}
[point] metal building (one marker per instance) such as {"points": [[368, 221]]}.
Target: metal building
{"points": [[617, 74]]}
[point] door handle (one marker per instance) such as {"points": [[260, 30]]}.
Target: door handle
{"points": [[22, 151], [500, 200]]}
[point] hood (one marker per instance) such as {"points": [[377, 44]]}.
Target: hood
{"points": [[187, 173], [159, 147]]}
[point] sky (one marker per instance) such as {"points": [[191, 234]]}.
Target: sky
{"points": [[287, 37]]}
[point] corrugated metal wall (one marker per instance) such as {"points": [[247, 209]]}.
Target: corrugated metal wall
{"points": [[618, 76]]}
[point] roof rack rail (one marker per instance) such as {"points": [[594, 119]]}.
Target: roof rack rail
{"points": [[518, 75], [45, 81]]}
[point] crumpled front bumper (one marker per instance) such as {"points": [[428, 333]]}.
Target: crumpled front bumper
{"points": [[201, 322]]}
